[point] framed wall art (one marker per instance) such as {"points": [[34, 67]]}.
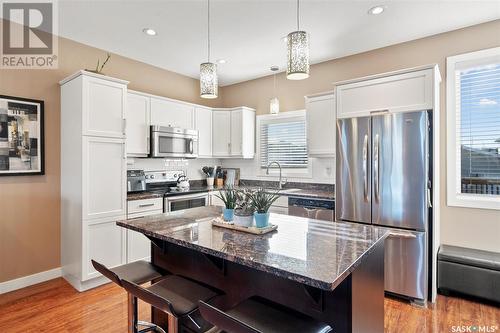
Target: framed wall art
{"points": [[21, 136]]}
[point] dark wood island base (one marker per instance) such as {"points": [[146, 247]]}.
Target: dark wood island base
{"points": [[333, 272], [355, 305]]}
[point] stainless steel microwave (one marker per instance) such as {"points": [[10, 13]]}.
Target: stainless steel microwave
{"points": [[174, 142]]}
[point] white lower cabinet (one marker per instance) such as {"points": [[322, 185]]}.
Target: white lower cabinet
{"points": [[138, 245], [214, 200], [105, 244], [280, 206]]}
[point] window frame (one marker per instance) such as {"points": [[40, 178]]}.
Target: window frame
{"points": [[286, 172], [454, 195]]}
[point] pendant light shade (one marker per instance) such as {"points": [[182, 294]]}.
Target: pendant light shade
{"points": [[297, 43], [274, 105], [298, 56], [209, 84]]}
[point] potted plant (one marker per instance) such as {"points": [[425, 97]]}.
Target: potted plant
{"points": [[229, 197], [261, 202], [243, 213]]}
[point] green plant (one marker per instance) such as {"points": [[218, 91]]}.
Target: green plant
{"points": [[229, 196], [244, 202], [262, 200], [99, 70]]}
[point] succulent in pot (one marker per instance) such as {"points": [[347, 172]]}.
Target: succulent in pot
{"points": [[243, 213], [229, 196], [262, 200]]}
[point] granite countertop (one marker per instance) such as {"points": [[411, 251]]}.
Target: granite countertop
{"points": [[317, 253], [306, 193]]}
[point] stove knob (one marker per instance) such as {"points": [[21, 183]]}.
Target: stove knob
{"points": [[175, 175], [152, 176]]}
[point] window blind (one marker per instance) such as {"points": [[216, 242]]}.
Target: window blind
{"points": [[478, 115], [284, 140]]}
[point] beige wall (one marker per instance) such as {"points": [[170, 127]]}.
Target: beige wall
{"points": [[29, 205], [475, 228]]}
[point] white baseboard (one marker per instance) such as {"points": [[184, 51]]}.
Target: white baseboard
{"points": [[29, 280]]}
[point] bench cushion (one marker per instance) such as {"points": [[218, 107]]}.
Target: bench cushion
{"points": [[470, 257]]}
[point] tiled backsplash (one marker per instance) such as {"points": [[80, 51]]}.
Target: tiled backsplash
{"points": [[192, 168]]}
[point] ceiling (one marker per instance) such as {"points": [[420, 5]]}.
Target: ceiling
{"points": [[248, 33]]}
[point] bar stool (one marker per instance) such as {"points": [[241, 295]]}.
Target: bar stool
{"points": [[178, 297], [140, 272], [254, 316]]}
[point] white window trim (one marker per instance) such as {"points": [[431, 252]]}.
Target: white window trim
{"points": [[454, 196], [285, 172]]}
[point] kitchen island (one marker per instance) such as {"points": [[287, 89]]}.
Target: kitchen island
{"points": [[333, 272]]}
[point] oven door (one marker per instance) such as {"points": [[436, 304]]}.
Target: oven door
{"points": [[164, 144], [181, 202]]}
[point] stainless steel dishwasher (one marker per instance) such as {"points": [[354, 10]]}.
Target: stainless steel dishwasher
{"points": [[319, 209]]}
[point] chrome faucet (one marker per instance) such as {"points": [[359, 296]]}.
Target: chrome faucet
{"points": [[280, 182]]}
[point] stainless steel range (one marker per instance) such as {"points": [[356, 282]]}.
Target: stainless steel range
{"points": [[175, 199]]}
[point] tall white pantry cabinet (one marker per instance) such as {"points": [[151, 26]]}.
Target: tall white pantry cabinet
{"points": [[93, 176]]}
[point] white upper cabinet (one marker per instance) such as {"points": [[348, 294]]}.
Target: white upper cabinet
{"points": [[103, 106], [408, 91], [165, 112], [233, 133], [221, 133], [236, 132], [104, 178], [321, 128], [203, 123], [137, 115]]}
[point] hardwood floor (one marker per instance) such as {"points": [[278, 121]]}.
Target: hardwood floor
{"points": [[56, 307]]}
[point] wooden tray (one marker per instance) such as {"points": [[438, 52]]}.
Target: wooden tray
{"points": [[219, 222]]}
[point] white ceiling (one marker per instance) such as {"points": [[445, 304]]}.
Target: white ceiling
{"points": [[247, 33]]}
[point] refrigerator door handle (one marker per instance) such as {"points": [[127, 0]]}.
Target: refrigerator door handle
{"points": [[365, 167], [401, 235], [376, 166]]}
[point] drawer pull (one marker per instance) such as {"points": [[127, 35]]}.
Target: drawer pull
{"points": [[147, 205]]}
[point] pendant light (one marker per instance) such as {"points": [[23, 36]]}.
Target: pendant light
{"points": [[209, 84], [297, 52], [274, 104]]}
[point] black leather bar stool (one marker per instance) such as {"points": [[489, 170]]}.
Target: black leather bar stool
{"points": [[139, 272], [255, 316], [178, 297]]}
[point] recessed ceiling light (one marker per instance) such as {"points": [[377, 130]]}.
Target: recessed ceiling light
{"points": [[149, 31], [376, 10], [221, 61]]}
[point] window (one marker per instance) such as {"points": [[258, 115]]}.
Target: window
{"points": [[473, 112], [282, 138]]}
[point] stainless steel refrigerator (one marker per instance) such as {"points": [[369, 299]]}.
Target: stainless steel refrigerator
{"points": [[382, 178]]}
